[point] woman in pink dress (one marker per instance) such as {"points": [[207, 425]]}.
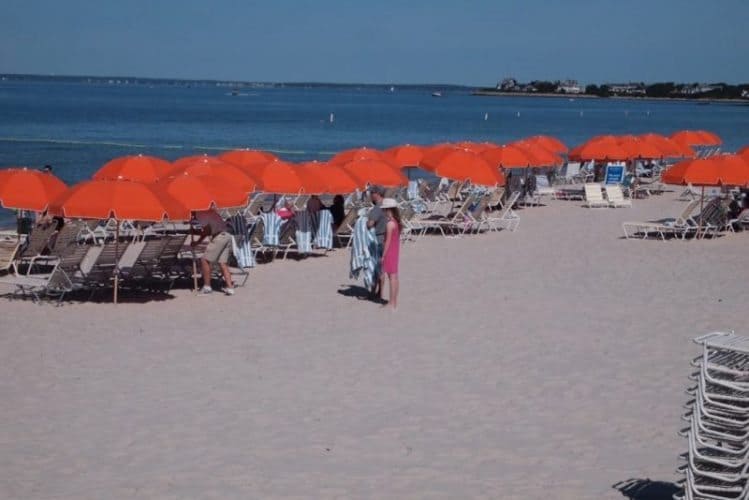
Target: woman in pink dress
{"points": [[391, 248]]}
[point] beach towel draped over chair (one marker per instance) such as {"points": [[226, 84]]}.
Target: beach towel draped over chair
{"points": [[271, 228], [241, 241], [303, 223], [363, 252], [324, 233]]}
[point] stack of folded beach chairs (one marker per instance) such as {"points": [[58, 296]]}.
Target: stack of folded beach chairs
{"points": [[717, 463]]}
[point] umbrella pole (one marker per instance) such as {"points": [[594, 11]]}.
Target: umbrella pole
{"points": [[116, 260], [702, 200], [194, 262]]}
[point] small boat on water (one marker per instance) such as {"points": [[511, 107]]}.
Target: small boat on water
{"points": [[437, 94]]}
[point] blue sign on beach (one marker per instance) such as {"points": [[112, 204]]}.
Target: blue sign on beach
{"points": [[614, 173]]}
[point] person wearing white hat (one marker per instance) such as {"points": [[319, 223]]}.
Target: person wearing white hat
{"points": [[391, 250]]}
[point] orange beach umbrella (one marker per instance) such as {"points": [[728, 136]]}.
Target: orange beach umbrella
{"points": [[372, 171], [203, 192], [209, 166], [510, 156], [548, 142], [25, 189], [669, 147], [731, 170], [363, 153], [138, 168], [406, 155], [281, 177], [697, 138], [247, 157], [601, 148], [121, 200], [467, 166], [543, 156], [334, 177]]}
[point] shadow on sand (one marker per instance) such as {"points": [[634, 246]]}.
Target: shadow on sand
{"points": [[645, 489]]}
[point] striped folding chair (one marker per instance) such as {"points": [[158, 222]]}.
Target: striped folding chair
{"points": [[241, 241], [271, 228], [303, 232], [324, 234]]}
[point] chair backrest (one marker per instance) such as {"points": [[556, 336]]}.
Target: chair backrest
{"points": [[287, 233], [495, 196], [453, 190], [480, 207], [67, 238], [687, 212], [614, 192], [300, 202], [593, 192], [256, 204], [572, 169], [347, 223], [542, 181], [507, 209], [8, 249], [38, 239]]}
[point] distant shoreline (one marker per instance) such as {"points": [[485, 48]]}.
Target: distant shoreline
{"points": [[490, 93]]}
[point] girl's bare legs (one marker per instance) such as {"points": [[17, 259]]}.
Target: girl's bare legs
{"points": [[393, 290]]}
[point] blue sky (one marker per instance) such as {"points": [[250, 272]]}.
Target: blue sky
{"points": [[474, 42]]}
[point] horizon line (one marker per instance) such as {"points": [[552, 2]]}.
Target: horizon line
{"points": [[346, 83]]}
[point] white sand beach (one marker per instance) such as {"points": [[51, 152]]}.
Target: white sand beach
{"points": [[546, 363]]}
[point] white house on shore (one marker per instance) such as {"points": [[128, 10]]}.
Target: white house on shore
{"points": [[569, 87]]}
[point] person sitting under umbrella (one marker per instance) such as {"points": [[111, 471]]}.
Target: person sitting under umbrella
{"points": [[212, 225]]}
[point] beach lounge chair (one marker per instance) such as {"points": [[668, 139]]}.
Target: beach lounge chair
{"points": [[570, 173], [476, 217], [344, 232], [616, 196], [678, 226], [9, 247], [64, 277], [453, 223], [543, 188], [286, 241], [740, 222], [303, 232], [594, 197], [324, 233], [505, 218]]}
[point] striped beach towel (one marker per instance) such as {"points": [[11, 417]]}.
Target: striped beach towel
{"points": [[413, 190], [324, 233], [271, 228], [241, 241], [363, 252], [303, 231]]}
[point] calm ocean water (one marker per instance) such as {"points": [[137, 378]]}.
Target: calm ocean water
{"points": [[78, 127]]}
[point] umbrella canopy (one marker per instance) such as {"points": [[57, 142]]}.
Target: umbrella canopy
{"points": [[511, 156], [549, 143], [209, 166], [119, 200], [334, 177], [247, 157], [286, 178], [464, 165], [375, 172], [669, 147], [545, 157], [697, 138], [731, 170], [25, 189], [638, 148], [350, 155], [601, 148], [744, 152], [406, 155], [474, 147], [136, 168], [203, 192]]}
